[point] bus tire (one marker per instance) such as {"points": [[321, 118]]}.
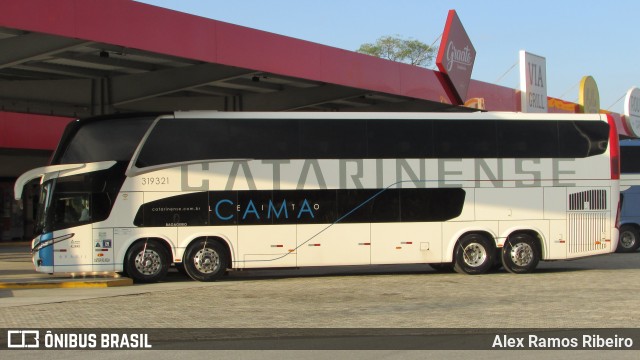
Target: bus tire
{"points": [[473, 255], [629, 239], [520, 254], [205, 260], [147, 261]]}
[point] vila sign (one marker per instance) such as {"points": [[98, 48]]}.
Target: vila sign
{"points": [[456, 56], [533, 82]]}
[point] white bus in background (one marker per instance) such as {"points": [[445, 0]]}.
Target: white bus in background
{"points": [[630, 190], [213, 191]]}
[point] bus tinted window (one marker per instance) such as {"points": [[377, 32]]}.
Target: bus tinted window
{"points": [[271, 139], [465, 139], [279, 207], [388, 139], [197, 139], [181, 140], [105, 140], [630, 159], [333, 139], [527, 139], [580, 139]]}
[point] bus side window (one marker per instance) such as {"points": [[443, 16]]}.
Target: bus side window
{"points": [[579, 139], [527, 139], [333, 139], [393, 139], [465, 139]]}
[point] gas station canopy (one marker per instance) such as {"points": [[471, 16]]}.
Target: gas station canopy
{"points": [[77, 58]]}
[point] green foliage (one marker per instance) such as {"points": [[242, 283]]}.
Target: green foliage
{"points": [[409, 51]]}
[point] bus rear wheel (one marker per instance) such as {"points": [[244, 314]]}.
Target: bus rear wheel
{"points": [[147, 261], [629, 239], [205, 260], [520, 254], [473, 255]]}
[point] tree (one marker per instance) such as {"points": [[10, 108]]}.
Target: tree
{"points": [[409, 51]]}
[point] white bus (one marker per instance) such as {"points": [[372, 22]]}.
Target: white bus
{"points": [[630, 191], [213, 191]]}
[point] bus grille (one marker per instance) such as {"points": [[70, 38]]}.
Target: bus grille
{"points": [[588, 200], [587, 232]]}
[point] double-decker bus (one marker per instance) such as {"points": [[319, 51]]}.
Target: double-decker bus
{"points": [[214, 191]]}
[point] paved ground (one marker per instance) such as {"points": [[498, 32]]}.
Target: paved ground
{"points": [[594, 292], [597, 292]]}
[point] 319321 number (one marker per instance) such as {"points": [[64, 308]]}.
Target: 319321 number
{"points": [[158, 180]]}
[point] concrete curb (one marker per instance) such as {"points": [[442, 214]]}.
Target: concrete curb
{"points": [[66, 284]]}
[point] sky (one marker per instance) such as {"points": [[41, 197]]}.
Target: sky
{"points": [[577, 37]]}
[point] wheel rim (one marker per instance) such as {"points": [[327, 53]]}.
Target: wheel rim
{"points": [[148, 262], [207, 261], [627, 239], [475, 255], [521, 254]]}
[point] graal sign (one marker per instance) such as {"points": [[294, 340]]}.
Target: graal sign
{"points": [[533, 82], [456, 56]]}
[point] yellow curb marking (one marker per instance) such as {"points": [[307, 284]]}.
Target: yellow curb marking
{"points": [[66, 284]]}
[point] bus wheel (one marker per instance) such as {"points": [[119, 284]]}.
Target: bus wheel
{"points": [[629, 239], [520, 254], [205, 260], [473, 255], [147, 261]]}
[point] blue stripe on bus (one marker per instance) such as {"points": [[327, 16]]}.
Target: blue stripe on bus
{"points": [[46, 253]]}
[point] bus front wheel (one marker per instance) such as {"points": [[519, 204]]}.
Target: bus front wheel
{"points": [[205, 260], [473, 255], [147, 261], [520, 254]]}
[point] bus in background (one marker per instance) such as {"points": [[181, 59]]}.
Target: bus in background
{"points": [[213, 191], [630, 192]]}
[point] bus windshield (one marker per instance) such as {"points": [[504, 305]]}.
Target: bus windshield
{"points": [[79, 199], [98, 140], [66, 207]]}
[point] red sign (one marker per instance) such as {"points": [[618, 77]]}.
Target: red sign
{"points": [[456, 57]]}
